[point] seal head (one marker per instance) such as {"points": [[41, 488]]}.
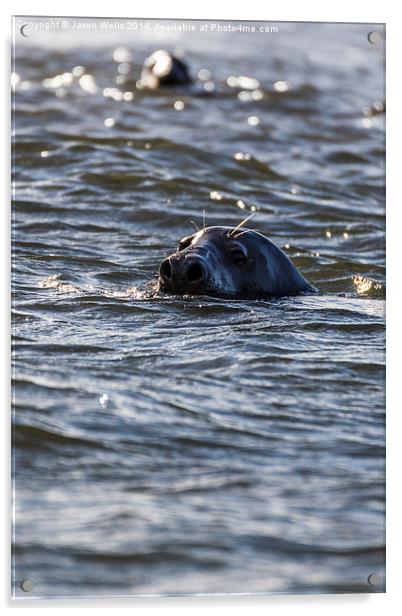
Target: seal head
{"points": [[230, 263], [164, 69]]}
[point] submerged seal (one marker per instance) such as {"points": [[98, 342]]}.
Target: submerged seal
{"points": [[164, 69], [233, 263]]}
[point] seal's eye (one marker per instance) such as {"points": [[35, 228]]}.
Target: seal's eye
{"points": [[238, 256]]}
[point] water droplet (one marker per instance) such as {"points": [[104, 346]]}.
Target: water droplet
{"points": [[109, 122], [241, 204], [345, 235], [78, 71], [282, 86], [204, 74], [104, 400], [113, 93], [243, 95], [67, 79], [209, 86], [243, 82], [178, 105], [122, 54], [53, 82], [328, 234], [124, 68], [215, 195], [253, 120], [257, 95], [242, 156], [15, 80], [87, 83], [128, 96]]}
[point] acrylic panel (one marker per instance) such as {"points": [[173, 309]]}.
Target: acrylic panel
{"points": [[198, 273]]}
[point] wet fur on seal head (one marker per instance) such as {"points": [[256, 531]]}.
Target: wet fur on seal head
{"points": [[233, 263]]}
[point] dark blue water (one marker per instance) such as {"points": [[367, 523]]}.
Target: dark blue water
{"points": [[182, 445]]}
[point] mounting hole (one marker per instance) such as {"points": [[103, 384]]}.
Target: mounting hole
{"points": [[373, 37], [374, 579], [27, 585]]}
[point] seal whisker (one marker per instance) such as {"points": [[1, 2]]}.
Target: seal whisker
{"points": [[195, 224], [240, 224], [204, 219], [246, 231]]}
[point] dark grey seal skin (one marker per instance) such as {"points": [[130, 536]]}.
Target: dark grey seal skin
{"points": [[164, 69], [232, 263]]}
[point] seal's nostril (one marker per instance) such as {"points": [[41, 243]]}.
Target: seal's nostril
{"points": [[195, 273], [166, 269]]}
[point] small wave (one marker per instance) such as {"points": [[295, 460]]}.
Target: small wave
{"points": [[368, 287], [55, 282], [188, 554], [28, 436], [344, 157], [272, 544]]}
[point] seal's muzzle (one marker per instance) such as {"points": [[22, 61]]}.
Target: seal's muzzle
{"points": [[178, 273]]}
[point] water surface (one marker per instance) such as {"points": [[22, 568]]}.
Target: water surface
{"points": [[182, 445]]}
